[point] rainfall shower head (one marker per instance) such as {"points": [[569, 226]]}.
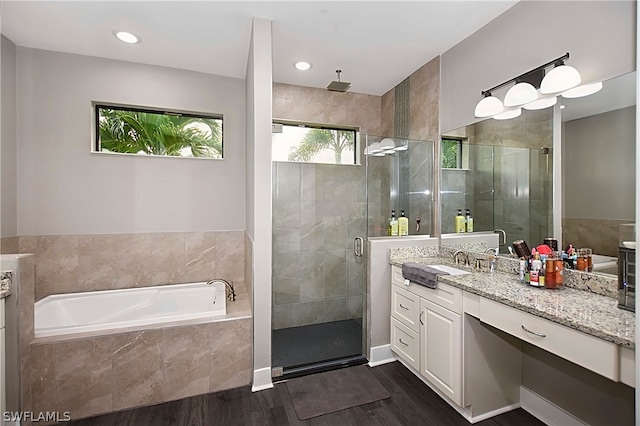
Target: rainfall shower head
{"points": [[338, 86]]}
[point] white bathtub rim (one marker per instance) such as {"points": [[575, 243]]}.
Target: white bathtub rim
{"points": [[130, 325]]}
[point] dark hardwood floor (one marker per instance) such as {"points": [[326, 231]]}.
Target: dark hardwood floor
{"points": [[411, 403]]}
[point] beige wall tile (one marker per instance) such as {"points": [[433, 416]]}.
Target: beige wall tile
{"points": [[28, 244], [165, 258], [231, 355], [248, 266], [43, 378], [84, 376], [26, 301], [185, 361], [57, 265], [387, 113], [137, 369], [25, 381], [229, 260], [200, 256], [111, 261], [9, 245]]}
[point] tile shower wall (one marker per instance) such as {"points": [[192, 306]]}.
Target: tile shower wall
{"points": [[411, 110], [318, 209], [508, 184], [75, 263]]}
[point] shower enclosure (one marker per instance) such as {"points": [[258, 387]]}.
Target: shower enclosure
{"points": [[507, 189], [322, 216]]}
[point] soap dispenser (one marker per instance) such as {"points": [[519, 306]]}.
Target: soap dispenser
{"points": [[460, 224], [469, 220], [403, 224], [394, 224]]}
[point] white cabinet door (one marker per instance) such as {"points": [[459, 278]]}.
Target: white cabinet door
{"points": [[441, 349]]}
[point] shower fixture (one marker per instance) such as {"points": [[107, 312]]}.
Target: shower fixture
{"points": [[338, 86]]}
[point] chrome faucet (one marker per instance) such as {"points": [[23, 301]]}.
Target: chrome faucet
{"points": [[230, 292], [466, 257]]}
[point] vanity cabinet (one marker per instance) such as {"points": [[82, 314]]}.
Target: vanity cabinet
{"points": [[441, 349], [426, 332]]}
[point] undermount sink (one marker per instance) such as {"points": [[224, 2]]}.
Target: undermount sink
{"points": [[450, 270]]}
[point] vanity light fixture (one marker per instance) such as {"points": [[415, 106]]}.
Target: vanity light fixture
{"points": [[524, 92], [520, 94], [126, 37], [541, 103], [513, 113], [561, 78], [584, 90], [489, 105], [302, 65]]}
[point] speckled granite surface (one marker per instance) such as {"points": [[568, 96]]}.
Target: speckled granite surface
{"points": [[581, 310], [5, 283]]}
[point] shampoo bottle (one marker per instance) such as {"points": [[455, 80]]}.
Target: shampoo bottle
{"points": [[469, 222], [403, 224], [460, 225], [394, 224]]}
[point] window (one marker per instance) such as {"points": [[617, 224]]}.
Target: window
{"points": [[451, 153], [313, 144], [165, 133]]}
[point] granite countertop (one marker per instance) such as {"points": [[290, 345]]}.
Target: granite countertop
{"points": [[581, 310], [5, 283]]}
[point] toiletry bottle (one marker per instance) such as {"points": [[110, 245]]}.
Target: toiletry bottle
{"points": [[460, 222], [469, 222], [403, 224], [523, 266], [394, 224], [389, 227]]}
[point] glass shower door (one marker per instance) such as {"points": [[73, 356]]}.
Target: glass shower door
{"points": [[319, 265]]}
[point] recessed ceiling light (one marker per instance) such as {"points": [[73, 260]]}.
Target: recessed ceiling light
{"points": [[126, 37], [302, 65]]}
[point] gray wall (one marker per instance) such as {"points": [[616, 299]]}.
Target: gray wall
{"points": [[8, 142], [599, 166], [530, 34], [65, 189]]}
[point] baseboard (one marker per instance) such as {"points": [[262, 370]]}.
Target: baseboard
{"points": [[501, 410], [261, 379], [545, 410], [381, 355]]}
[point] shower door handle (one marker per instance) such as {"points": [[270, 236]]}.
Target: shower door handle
{"points": [[504, 236], [358, 246]]}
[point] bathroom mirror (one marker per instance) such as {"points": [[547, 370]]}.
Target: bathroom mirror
{"points": [[505, 173], [598, 168]]}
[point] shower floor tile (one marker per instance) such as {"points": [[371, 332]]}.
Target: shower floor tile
{"points": [[310, 344]]}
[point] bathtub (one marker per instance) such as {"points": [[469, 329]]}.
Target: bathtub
{"points": [[63, 314]]}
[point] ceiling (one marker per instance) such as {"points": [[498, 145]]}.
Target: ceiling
{"points": [[376, 44]]}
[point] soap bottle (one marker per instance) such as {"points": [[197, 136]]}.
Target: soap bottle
{"points": [[394, 224], [403, 224], [469, 222], [460, 222]]}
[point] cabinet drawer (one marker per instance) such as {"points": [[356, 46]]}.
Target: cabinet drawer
{"points": [[396, 275], [405, 342], [444, 295], [580, 348], [405, 307]]}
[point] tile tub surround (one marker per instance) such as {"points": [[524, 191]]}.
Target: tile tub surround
{"points": [[584, 311], [101, 374], [74, 263]]}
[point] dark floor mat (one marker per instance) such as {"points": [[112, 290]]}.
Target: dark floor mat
{"points": [[335, 390], [310, 344]]}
